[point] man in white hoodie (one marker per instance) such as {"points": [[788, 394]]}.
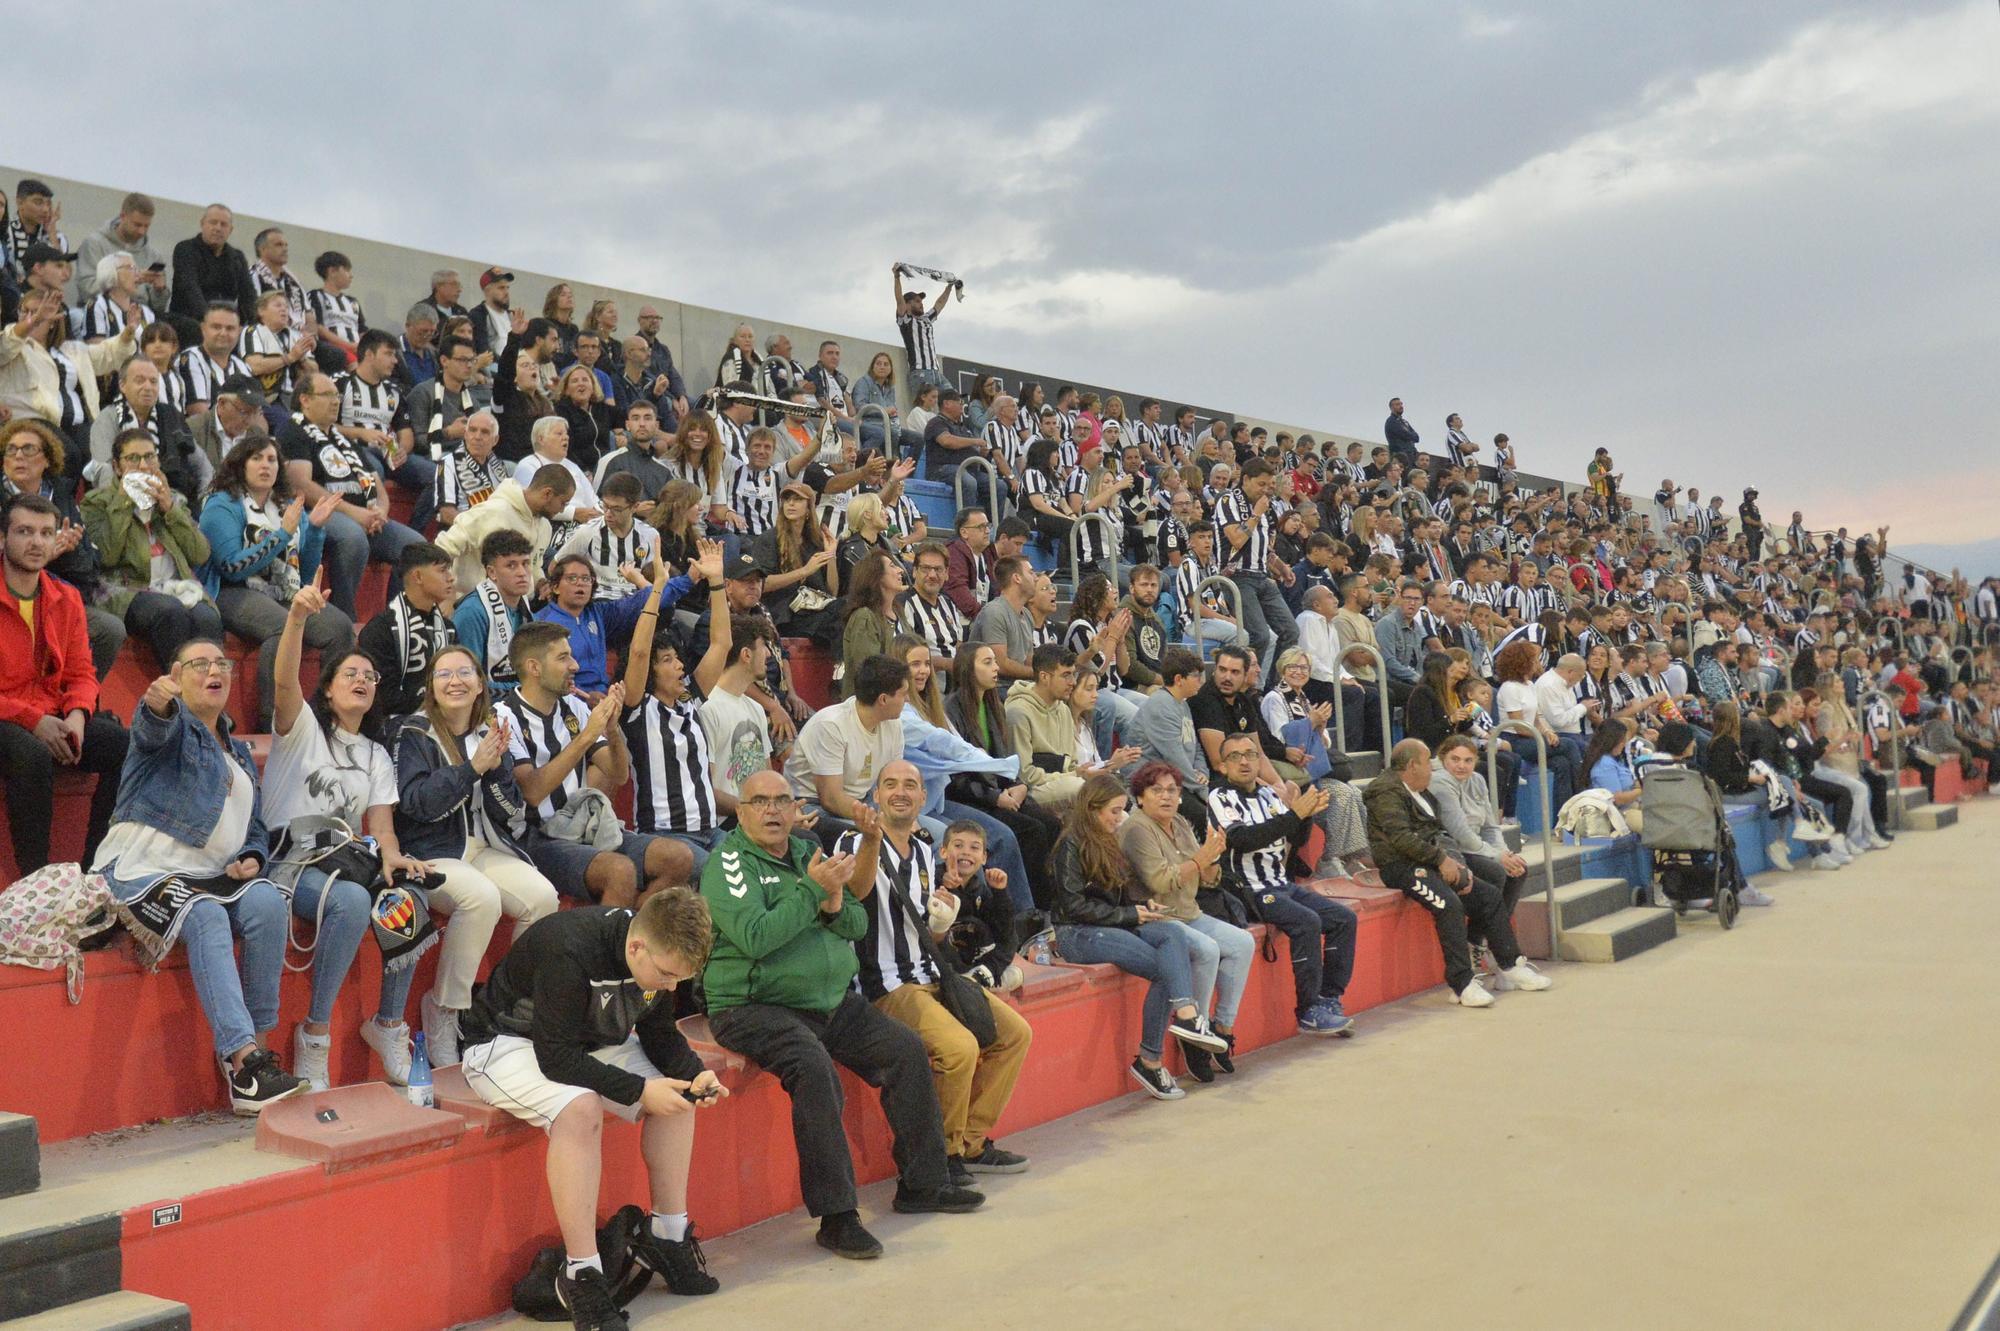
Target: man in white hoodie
{"points": [[513, 507]]}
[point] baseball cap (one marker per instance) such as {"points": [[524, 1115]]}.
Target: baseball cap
{"points": [[742, 568], [494, 274], [245, 389]]}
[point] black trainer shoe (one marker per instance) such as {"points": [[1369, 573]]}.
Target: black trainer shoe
{"points": [[1200, 1062], [960, 1176], [948, 1199], [842, 1235], [1225, 1061], [995, 1159], [259, 1082], [682, 1264], [588, 1299], [1156, 1082]]}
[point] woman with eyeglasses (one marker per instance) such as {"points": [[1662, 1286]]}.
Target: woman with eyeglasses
{"points": [[456, 803], [263, 546], [328, 783], [151, 551]]}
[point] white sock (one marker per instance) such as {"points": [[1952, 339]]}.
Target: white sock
{"points": [[578, 1265], [673, 1228]]}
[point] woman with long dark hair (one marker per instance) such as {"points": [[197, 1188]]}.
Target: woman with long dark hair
{"points": [[797, 559], [868, 619], [699, 457], [263, 545], [1103, 915], [977, 711], [1043, 499], [1609, 768]]}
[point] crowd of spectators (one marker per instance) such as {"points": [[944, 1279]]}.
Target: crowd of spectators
{"points": [[1128, 756]]}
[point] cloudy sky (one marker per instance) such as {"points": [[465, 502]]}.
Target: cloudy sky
{"points": [[1733, 243]]}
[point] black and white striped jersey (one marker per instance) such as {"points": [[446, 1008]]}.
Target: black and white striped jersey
{"points": [[1477, 593], [1096, 533], [919, 340], [672, 772], [753, 496], [340, 315], [1262, 869], [1151, 439], [609, 551], [1081, 631], [102, 318], [69, 389], [262, 279], [536, 741], [1011, 445], [891, 953], [1529, 603], [938, 623], [1433, 626], [1234, 509], [201, 378], [370, 406], [257, 340], [1532, 631], [735, 438], [1188, 578]]}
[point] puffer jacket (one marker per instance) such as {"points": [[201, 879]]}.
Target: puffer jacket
{"points": [[1400, 833]]}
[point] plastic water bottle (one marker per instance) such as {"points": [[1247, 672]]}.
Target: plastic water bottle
{"points": [[420, 1091]]}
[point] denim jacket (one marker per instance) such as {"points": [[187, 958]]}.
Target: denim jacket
{"points": [[175, 781], [1402, 648]]}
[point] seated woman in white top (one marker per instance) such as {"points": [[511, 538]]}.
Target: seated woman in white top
{"points": [[550, 439], [328, 783]]}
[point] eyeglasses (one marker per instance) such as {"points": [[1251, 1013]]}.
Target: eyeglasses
{"points": [[24, 450], [774, 803], [365, 676], [458, 672], [132, 458], [210, 665]]}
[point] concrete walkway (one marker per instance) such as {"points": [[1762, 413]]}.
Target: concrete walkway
{"points": [[1796, 1124]]}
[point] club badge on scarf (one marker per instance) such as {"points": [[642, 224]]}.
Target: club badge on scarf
{"points": [[400, 916]]}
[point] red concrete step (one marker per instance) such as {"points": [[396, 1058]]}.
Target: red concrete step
{"points": [[349, 1126]]}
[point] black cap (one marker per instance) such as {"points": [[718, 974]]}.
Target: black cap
{"points": [[245, 389], [743, 568], [41, 253], [1749, 490], [494, 274]]}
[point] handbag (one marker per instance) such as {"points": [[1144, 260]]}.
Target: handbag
{"points": [[961, 997]]}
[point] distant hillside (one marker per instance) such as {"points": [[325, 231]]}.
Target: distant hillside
{"points": [[1977, 559]]}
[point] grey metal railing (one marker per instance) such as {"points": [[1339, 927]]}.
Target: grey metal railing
{"points": [[1076, 546], [1982, 1310], [958, 483], [1895, 622], [1235, 599], [1381, 696], [1548, 814], [1895, 772], [890, 447]]}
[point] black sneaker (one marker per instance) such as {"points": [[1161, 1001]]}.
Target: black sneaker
{"points": [[1156, 1082], [948, 1199], [681, 1264], [1195, 1033], [1200, 1063], [995, 1159], [587, 1297], [842, 1235], [259, 1082], [1225, 1061], [961, 1177]]}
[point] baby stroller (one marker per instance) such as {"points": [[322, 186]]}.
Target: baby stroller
{"points": [[1687, 830]]}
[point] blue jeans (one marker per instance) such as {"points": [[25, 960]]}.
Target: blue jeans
{"points": [[1155, 952], [1321, 933], [419, 473], [1266, 617], [701, 843], [1222, 950], [1563, 763], [1115, 713], [348, 550], [1003, 849], [238, 1001], [343, 924]]}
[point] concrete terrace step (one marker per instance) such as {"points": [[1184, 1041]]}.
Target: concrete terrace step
{"points": [[1568, 861], [119, 1311], [1930, 817], [1577, 904], [1619, 935], [20, 1155]]}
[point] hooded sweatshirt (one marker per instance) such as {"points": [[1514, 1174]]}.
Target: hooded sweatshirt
{"points": [[1044, 735]]}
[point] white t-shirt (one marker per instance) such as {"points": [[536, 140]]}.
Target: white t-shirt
{"points": [[133, 850], [1517, 697], [834, 743], [306, 774], [739, 739]]}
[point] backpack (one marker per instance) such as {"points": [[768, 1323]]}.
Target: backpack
{"points": [[535, 1292], [46, 917]]}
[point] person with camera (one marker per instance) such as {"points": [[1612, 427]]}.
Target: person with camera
{"points": [[576, 1022], [780, 991], [900, 976]]}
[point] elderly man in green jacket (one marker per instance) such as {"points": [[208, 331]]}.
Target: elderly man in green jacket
{"points": [[780, 987]]}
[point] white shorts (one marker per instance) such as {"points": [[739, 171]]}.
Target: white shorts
{"points": [[506, 1074]]}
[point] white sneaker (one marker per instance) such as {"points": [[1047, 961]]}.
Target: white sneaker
{"points": [[309, 1056], [440, 1032], [392, 1045], [1474, 995], [1752, 895], [1827, 862], [1523, 975], [1780, 856], [1841, 846]]}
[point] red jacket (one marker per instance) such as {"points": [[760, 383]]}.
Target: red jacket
{"points": [[960, 574], [51, 675]]}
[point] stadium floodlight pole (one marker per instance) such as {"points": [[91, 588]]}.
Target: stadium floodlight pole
{"points": [[1548, 817]]}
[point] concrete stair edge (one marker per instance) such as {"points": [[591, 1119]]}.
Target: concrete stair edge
{"points": [[1621, 934], [122, 1310]]}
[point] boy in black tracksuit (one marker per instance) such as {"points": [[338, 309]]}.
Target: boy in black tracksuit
{"points": [[577, 1021]]}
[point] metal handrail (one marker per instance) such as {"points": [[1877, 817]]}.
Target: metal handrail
{"points": [[891, 449], [1982, 1310], [1895, 751], [1076, 546], [1548, 814], [1896, 622], [1235, 599], [958, 479], [1381, 695]]}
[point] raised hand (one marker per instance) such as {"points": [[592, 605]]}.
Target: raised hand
{"points": [[997, 879], [293, 512], [867, 821], [162, 694], [708, 560], [518, 321], [491, 749], [308, 601], [1213, 845], [831, 873]]}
